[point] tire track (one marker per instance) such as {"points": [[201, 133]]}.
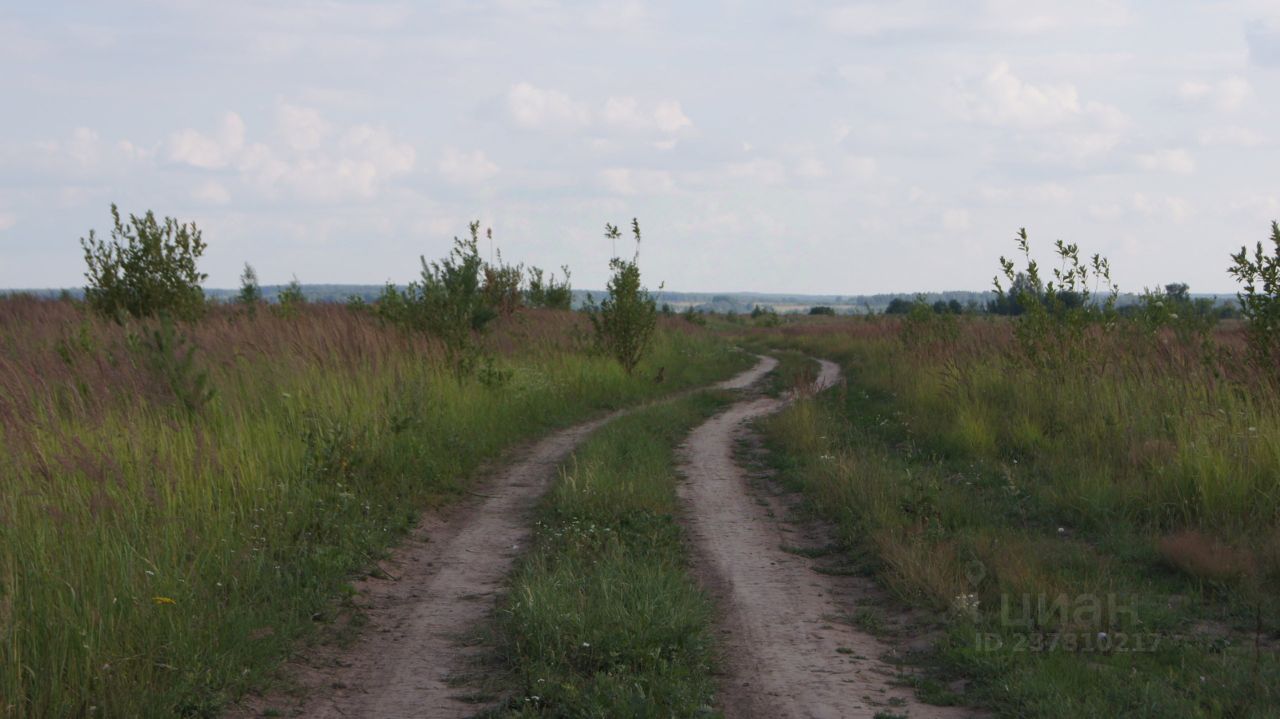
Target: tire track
{"points": [[438, 586], [786, 653]]}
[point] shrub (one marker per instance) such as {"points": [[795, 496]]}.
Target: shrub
{"points": [[547, 292], [450, 302], [1055, 315], [822, 310], [502, 283], [147, 268], [1260, 299], [625, 319], [290, 298]]}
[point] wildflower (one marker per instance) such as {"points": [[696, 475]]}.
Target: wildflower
{"points": [[164, 600], [586, 644]]}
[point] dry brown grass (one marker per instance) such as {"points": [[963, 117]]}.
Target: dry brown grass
{"points": [[1207, 558]]}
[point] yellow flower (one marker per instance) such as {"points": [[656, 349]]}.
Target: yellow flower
{"points": [[164, 600]]}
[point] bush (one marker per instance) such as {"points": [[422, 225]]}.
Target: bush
{"points": [[1054, 315], [625, 319], [147, 268], [822, 310], [1260, 299], [290, 298], [450, 302], [547, 292]]}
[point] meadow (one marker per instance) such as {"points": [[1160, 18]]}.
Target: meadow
{"points": [[182, 506], [1089, 531]]}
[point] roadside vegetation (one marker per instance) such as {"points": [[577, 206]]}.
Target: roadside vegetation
{"points": [[189, 487], [602, 618], [1088, 502]]}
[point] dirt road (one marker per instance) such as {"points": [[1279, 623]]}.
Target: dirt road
{"points": [[786, 649], [441, 583]]}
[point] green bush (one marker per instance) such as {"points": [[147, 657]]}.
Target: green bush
{"points": [[545, 291], [1260, 299], [147, 268], [625, 319]]}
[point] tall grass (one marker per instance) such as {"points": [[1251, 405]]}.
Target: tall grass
{"points": [[155, 561], [970, 481]]}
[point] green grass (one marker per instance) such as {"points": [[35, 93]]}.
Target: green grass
{"points": [[602, 618], [958, 477], [155, 562]]}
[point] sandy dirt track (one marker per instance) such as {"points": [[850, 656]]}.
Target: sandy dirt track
{"points": [[439, 585], [787, 650]]}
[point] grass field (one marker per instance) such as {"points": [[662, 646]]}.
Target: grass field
{"points": [[160, 552], [1095, 538]]}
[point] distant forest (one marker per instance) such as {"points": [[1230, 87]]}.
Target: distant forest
{"points": [[718, 302]]}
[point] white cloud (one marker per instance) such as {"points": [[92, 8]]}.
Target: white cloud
{"points": [[626, 113], [859, 167], [1226, 95], [626, 181], [1049, 193], [212, 192], [302, 128], [868, 18], [1231, 136], [1176, 161], [956, 219], [1174, 208], [535, 107], [466, 168], [812, 168], [212, 151], [1002, 98], [7, 221], [1263, 37]]}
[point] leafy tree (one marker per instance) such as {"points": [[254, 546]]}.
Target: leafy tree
{"points": [[625, 320], [250, 292], [898, 306], [148, 267], [1260, 297], [822, 310]]}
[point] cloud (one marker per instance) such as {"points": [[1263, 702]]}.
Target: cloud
{"points": [[466, 168], [209, 151], [626, 112], [1175, 208], [7, 221], [956, 219], [1263, 37], [1001, 98], [538, 108], [1231, 136], [1225, 95], [302, 128], [626, 181], [212, 192], [1176, 161], [924, 19]]}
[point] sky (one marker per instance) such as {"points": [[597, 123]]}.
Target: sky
{"points": [[807, 147]]}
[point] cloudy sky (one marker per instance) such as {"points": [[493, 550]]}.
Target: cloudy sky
{"points": [[850, 147]]}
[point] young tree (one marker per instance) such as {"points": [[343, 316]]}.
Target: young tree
{"points": [[291, 297], [624, 321], [147, 268], [1260, 298], [250, 292]]}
